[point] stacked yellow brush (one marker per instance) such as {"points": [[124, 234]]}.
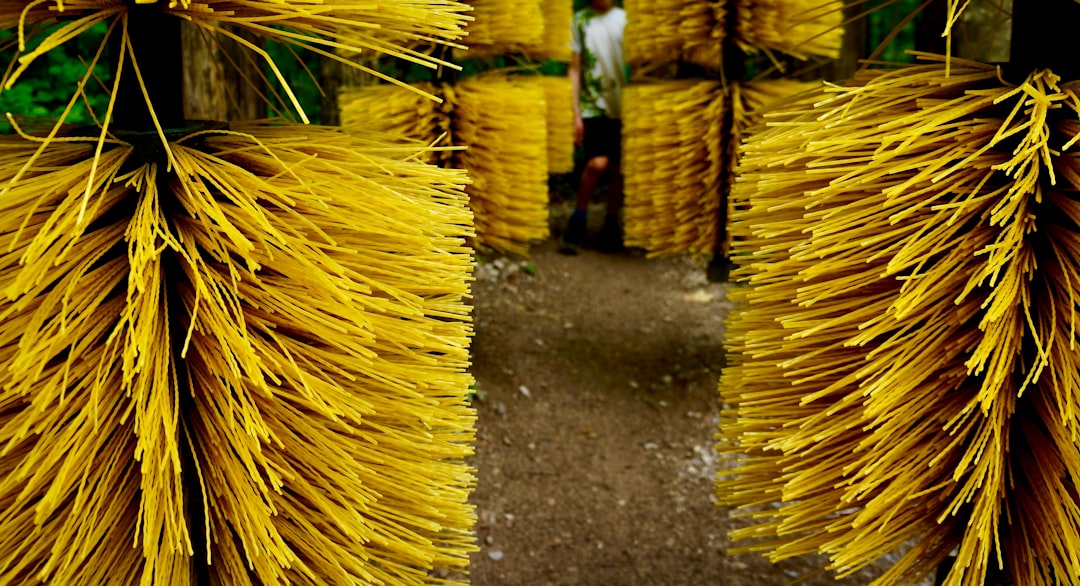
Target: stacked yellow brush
{"points": [[504, 147], [679, 152], [748, 99], [673, 163], [904, 371], [502, 122], [702, 32], [395, 110], [666, 31], [661, 33], [233, 356], [506, 27], [559, 100], [558, 19], [652, 32], [801, 28]]}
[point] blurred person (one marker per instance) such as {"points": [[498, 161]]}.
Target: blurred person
{"points": [[597, 73]]}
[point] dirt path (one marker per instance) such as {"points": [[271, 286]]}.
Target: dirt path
{"points": [[598, 380]]}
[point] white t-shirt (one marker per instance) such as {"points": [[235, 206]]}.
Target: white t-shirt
{"points": [[598, 38]]}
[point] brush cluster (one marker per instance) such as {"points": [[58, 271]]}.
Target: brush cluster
{"points": [[396, 111], [232, 354], [272, 333], [559, 98], [904, 373], [666, 31], [506, 130], [534, 28], [506, 155], [673, 158], [680, 142]]}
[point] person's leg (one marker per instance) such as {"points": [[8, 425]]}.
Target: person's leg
{"points": [[611, 236], [590, 180], [596, 165], [615, 189]]}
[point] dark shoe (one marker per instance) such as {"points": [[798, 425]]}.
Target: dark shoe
{"points": [[570, 241], [719, 269], [611, 235]]}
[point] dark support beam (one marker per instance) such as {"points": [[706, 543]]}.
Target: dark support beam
{"points": [[929, 26], [155, 39], [1044, 37]]}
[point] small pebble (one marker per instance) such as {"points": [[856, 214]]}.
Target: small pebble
{"points": [[525, 391], [495, 554]]}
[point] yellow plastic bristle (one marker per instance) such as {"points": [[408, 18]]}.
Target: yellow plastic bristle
{"points": [[391, 27], [395, 110], [390, 109], [649, 36], [559, 97], [501, 27], [747, 101], [665, 31], [496, 141], [673, 165], [903, 370], [801, 28], [273, 332], [558, 19], [502, 123]]}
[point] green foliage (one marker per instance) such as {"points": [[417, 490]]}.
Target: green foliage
{"points": [[475, 394], [45, 89], [300, 68], [882, 22], [579, 4]]}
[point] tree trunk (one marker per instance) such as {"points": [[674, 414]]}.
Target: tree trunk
{"points": [[853, 48], [223, 80], [335, 76]]}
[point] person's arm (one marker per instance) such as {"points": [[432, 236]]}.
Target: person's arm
{"points": [[574, 72]]}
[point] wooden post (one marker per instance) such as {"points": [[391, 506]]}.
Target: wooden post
{"points": [[222, 78], [335, 76]]}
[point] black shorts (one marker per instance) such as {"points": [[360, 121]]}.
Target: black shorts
{"points": [[603, 138]]}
